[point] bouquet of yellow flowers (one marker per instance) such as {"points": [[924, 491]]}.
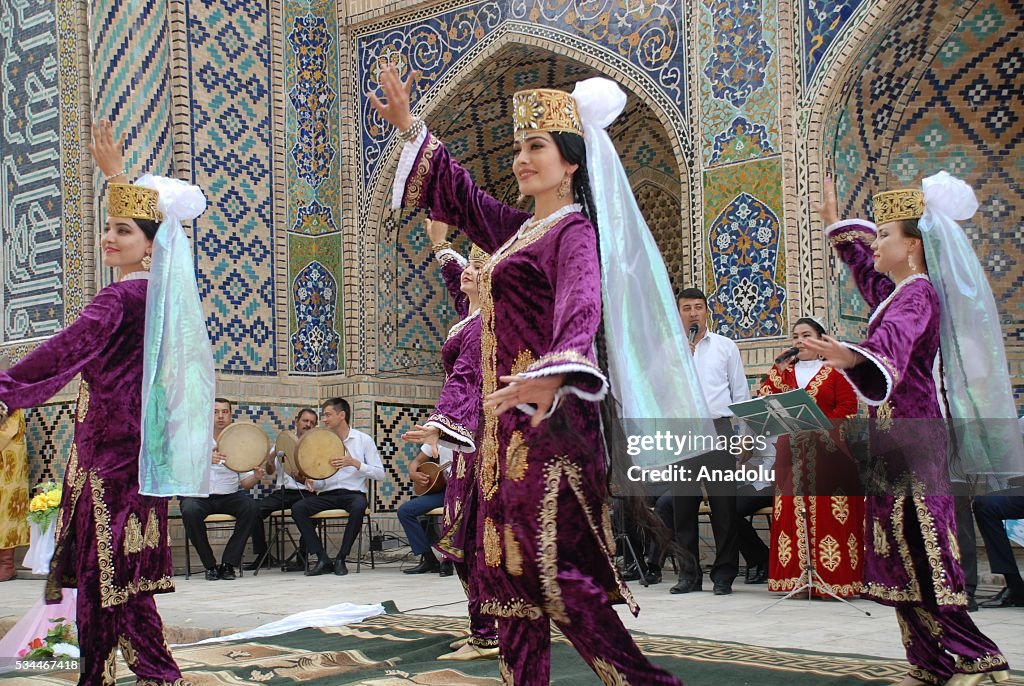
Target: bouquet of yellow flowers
{"points": [[42, 509]]}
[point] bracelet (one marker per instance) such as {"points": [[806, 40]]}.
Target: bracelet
{"points": [[413, 132], [123, 172], [443, 245], [4, 410]]}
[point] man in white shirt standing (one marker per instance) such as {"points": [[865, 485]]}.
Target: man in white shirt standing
{"points": [[345, 490], [720, 370], [228, 495]]}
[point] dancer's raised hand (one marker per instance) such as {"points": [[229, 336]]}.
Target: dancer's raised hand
{"points": [[828, 208], [833, 353], [108, 154], [436, 231], [395, 110], [539, 391]]}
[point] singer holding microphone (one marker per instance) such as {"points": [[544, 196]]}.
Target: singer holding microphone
{"points": [[815, 470], [723, 382]]}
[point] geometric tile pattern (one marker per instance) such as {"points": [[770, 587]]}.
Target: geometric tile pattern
{"points": [[390, 421], [31, 206], [49, 434], [647, 44], [746, 270], [823, 21], [231, 149], [739, 80]]}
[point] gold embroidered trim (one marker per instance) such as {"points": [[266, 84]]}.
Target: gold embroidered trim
{"points": [[776, 379], [852, 236], [460, 466], [840, 508], [954, 544], [785, 585], [881, 539], [82, 409], [127, 650], [461, 324], [110, 593], [451, 425], [829, 554], [853, 548], [986, 663], [513, 553], [606, 524], [522, 362], [415, 183], [506, 675], [492, 543], [488, 476], [905, 635], [785, 549], [563, 357], [516, 457], [110, 668], [132, 544], [151, 539], [607, 673], [883, 418], [453, 522], [944, 595], [815, 384], [928, 620], [517, 607], [548, 544]]}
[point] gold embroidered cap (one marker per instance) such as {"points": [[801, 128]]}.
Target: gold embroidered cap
{"points": [[135, 202], [903, 203], [544, 109], [476, 254]]}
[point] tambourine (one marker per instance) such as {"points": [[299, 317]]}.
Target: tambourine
{"points": [[244, 446], [316, 449], [286, 445]]}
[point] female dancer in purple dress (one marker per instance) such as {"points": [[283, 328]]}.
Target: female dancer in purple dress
{"points": [[111, 540], [912, 560], [455, 423], [545, 528]]}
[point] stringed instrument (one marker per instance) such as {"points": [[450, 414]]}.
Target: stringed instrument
{"points": [[438, 478]]}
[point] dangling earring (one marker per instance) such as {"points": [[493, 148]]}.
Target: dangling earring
{"points": [[564, 187], [521, 199], [147, 262], [912, 263]]}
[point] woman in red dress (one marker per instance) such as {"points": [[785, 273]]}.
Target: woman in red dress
{"points": [[815, 469]]}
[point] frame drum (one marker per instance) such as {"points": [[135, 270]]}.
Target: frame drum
{"points": [[244, 445], [286, 444], [316, 449]]}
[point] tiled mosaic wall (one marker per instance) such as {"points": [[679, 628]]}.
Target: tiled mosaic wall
{"points": [[312, 286]]}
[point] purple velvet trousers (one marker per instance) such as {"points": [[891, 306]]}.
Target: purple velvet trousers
{"points": [[596, 631], [136, 628], [941, 644], [483, 629]]}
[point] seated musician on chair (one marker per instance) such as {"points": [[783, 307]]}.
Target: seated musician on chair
{"points": [[287, 491], [410, 511], [344, 490], [229, 494]]}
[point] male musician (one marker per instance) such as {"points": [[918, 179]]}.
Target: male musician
{"points": [[229, 494], [286, 492], [723, 382], [410, 511], [345, 490]]}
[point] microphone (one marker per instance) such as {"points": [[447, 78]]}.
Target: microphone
{"points": [[693, 332], [792, 352]]}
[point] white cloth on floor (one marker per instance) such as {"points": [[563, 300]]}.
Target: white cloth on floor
{"points": [[335, 615]]}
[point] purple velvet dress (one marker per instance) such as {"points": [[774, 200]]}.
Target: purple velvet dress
{"points": [[544, 524], [912, 559], [112, 543], [457, 416]]}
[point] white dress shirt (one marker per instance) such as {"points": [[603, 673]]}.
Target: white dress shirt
{"points": [[720, 370], [361, 447], [284, 479], [224, 481]]}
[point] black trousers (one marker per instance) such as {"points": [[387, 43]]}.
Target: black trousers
{"points": [[966, 538], [990, 511], [240, 505], [722, 500], [353, 502], [281, 499], [749, 501]]}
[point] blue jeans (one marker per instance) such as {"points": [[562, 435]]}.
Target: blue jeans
{"points": [[409, 514]]}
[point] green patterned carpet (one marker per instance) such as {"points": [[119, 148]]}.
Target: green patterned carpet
{"points": [[400, 649]]}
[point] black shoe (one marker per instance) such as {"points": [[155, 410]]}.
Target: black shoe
{"points": [[447, 568], [653, 574], [428, 565], [757, 573], [632, 575], [227, 572], [688, 585], [722, 588], [322, 566], [1003, 599], [295, 565], [339, 567], [972, 603], [212, 574]]}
